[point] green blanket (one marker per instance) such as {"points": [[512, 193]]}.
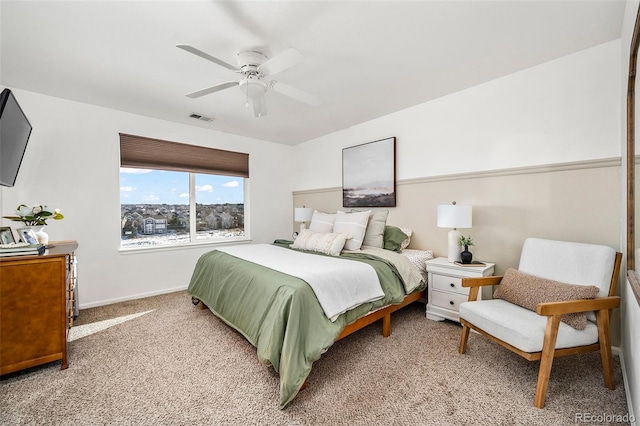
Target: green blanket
{"points": [[279, 314]]}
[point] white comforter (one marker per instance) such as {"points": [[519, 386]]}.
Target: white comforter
{"points": [[339, 284]]}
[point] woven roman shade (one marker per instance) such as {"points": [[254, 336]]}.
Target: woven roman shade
{"points": [[149, 153]]}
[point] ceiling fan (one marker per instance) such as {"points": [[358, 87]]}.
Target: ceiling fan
{"points": [[256, 69]]}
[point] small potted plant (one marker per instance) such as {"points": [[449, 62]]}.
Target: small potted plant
{"points": [[466, 256]]}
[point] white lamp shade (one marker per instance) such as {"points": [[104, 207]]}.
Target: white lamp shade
{"points": [[302, 214], [454, 216]]}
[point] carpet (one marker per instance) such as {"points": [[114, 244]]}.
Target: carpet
{"points": [[168, 362]]}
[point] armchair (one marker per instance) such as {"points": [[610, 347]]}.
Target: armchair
{"points": [[540, 335]]}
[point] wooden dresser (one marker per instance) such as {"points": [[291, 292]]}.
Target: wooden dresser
{"points": [[37, 303]]}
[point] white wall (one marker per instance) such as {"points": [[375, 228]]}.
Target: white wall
{"points": [[560, 111], [72, 163]]}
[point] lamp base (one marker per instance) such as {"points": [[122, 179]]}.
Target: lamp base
{"points": [[454, 248], [303, 226]]}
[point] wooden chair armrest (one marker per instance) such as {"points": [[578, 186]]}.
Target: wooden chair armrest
{"points": [[476, 282], [583, 305], [481, 281]]}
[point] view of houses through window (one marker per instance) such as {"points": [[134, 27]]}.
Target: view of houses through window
{"points": [[156, 207]]}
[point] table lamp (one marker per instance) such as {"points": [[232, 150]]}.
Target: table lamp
{"points": [[454, 216], [302, 214]]}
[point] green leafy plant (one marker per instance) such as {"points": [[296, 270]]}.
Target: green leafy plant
{"points": [[466, 241], [35, 215]]}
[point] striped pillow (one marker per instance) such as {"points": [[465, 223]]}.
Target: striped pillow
{"points": [[354, 224], [322, 222]]}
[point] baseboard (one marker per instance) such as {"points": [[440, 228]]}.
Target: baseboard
{"points": [[126, 298], [617, 351]]}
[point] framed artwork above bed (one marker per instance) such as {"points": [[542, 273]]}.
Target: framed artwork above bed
{"points": [[369, 174]]}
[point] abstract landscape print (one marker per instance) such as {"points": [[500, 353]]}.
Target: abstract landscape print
{"points": [[369, 174]]}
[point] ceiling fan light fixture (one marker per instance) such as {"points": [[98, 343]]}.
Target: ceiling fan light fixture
{"points": [[253, 87]]}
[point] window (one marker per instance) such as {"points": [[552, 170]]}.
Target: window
{"points": [[167, 202]]}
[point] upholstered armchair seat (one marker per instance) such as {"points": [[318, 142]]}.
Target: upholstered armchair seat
{"points": [[522, 328]]}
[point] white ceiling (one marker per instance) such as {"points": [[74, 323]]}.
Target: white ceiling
{"points": [[365, 59]]}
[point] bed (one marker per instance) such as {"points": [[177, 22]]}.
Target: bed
{"points": [[281, 314]]}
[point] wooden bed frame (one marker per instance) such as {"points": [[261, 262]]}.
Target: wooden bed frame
{"points": [[371, 317], [384, 313]]}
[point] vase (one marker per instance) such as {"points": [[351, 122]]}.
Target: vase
{"points": [[43, 237], [466, 256]]}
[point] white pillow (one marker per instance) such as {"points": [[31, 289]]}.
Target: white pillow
{"points": [[354, 224], [374, 235], [322, 222], [321, 242]]}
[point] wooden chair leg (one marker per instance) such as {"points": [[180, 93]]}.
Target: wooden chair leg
{"points": [[548, 350], [386, 325], [602, 318], [464, 337]]}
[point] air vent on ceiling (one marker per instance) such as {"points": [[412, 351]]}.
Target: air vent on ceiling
{"points": [[200, 117]]}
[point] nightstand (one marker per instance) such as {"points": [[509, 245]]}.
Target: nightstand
{"points": [[445, 292]]}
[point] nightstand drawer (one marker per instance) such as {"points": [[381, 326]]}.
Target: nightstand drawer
{"points": [[445, 292], [451, 284], [449, 301]]}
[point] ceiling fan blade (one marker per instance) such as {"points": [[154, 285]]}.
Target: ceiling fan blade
{"points": [[259, 106], [208, 57], [295, 93], [282, 61], [212, 89]]}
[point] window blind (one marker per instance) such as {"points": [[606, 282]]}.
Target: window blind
{"points": [[149, 153]]}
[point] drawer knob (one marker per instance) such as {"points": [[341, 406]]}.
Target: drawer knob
{"points": [[451, 302], [452, 285]]}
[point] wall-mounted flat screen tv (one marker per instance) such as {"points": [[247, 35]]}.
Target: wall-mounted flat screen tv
{"points": [[15, 130]]}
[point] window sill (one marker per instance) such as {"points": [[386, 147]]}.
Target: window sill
{"points": [[185, 246]]}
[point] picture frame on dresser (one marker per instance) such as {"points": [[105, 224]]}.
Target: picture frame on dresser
{"points": [[27, 235], [6, 235]]}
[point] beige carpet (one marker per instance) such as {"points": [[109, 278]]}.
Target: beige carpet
{"points": [[181, 365]]}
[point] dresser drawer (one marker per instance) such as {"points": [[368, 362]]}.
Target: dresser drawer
{"points": [[449, 301], [450, 284]]}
